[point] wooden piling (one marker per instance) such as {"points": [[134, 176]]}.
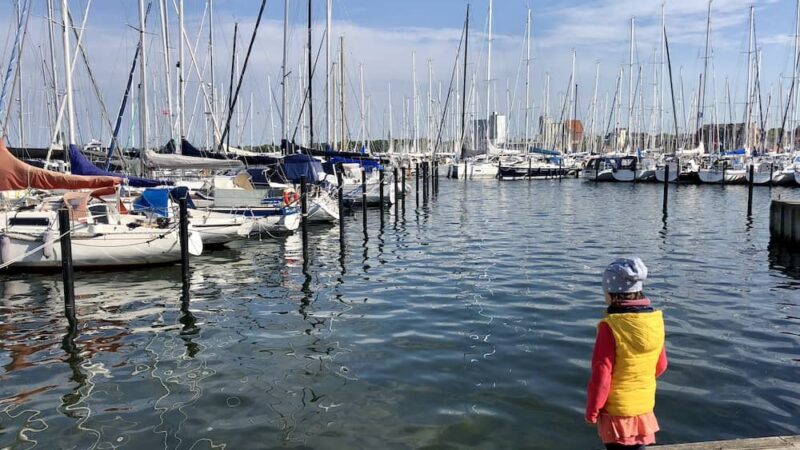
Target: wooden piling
{"points": [[184, 238], [364, 197], [67, 272], [403, 181], [784, 221], [340, 199], [666, 187], [396, 192], [304, 215], [381, 199], [416, 174], [750, 192], [724, 171]]}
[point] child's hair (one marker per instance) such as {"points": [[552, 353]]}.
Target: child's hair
{"points": [[622, 296]]}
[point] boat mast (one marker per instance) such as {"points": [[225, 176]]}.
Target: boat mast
{"points": [[310, 85], [660, 141], [68, 66], [163, 12], [341, 93], [429, 124], [284, 74], [594, 104], [416, 108], [54, 72], [363, 106], [527, 79], [328, 97], [489, 78], [630, 86], [464, 88], [213, 103], [702, 95], [391, 141], [749, 82], [181, 76], [573, 99]]}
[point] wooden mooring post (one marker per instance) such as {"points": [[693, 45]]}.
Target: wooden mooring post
{"points": [[184, 237], [67, 271], [396, 192], [304, 215], [381, 199], [416, 174], [364, 197], [784, 221], [750, 191], [666, 188], [340, 199]]}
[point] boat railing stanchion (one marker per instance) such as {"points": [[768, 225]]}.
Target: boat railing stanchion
{"points": [[364, 197], [184, 237], [750, 191], [666, 187], [381, 199], [304, 215], [66, 262], [340, 199]]}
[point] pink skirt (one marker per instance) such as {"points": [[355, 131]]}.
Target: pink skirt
{"points": [[637, 430]]}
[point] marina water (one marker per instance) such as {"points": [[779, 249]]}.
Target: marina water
{"points": [[466, 323]]}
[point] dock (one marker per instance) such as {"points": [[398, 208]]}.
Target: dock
{"points": [[784, 221], [769, 443]]}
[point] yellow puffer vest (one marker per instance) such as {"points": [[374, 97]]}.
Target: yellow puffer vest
{"points": [[639, 339]]}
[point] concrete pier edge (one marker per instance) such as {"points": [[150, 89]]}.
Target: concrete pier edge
{"points": [[768, 443]]}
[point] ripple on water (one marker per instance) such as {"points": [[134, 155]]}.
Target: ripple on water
{"points": [[467, 323]]}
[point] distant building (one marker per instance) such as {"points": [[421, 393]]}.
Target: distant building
{"points": [[498, 129]]}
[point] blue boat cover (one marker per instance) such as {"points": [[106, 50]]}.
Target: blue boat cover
{"points": [[79, 165], [541, 151], [297, 166], [156, 201], [368, 164], [740, 152]]}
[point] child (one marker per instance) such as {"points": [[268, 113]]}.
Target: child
{"points": [[628, 357]]}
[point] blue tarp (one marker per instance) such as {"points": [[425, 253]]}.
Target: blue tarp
{"points": [[368, 164], [79, 165], [740, 152], [541, 151], [156, 201], [297, 166]]}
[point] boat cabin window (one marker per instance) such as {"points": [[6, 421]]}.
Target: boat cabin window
{"points": [[99, 213], [29, 221]]}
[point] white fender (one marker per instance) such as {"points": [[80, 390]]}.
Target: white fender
{"points": [[49, 238], [195, 244], [5, 249]]}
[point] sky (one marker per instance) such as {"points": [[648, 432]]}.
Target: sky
{"points": [[381, 36]]}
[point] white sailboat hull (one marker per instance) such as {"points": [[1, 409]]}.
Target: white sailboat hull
{"points": [[218, 228], [673, 173], [710, 176], [99, 250]]}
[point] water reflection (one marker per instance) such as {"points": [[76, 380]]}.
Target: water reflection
{"points": [[469, 319]]}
